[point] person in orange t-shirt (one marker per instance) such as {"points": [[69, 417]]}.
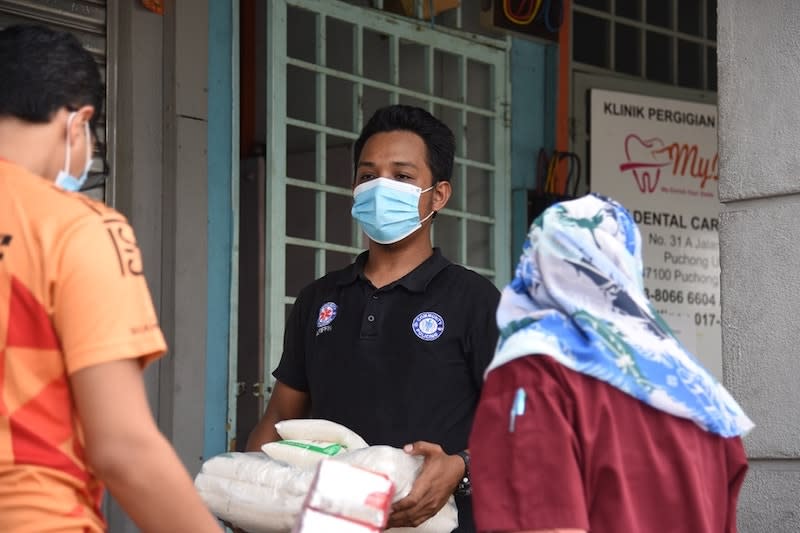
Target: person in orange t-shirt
{"points": [[77, 323]]}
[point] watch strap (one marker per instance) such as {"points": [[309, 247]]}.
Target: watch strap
{"points": [[464, 487]]}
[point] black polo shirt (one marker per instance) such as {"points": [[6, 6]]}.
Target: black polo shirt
{"points": [[397, 364]]}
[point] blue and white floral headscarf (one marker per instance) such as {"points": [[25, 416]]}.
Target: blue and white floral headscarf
{"points": [[578, 296]]}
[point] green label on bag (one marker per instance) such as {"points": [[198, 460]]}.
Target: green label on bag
{"points": [[331, 450]]}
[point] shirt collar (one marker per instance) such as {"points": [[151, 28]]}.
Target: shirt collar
{"points": [[416, 281]]}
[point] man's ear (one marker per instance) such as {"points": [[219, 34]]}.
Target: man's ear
{"points": [[77, 127], [441, 194]]}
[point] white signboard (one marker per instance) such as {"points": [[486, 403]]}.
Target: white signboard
{"points": [[658, 157]]}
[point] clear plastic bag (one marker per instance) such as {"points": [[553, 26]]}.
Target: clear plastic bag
{"points": [[403, 470], [318, 429], [302, 453], [262, 495], [253, 492]]}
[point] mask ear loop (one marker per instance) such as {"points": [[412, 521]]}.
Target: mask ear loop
{"points": [[88, 146], [69, 155], [433, 212]]}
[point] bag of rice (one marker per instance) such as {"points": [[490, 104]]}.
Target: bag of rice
{"points": [[302, 453], [322, 430]]}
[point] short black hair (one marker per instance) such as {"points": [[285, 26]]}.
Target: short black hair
{"points": [[438, 138], [42, 71]]}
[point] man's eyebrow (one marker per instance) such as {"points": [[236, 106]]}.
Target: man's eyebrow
{"points": [[394, 163]]}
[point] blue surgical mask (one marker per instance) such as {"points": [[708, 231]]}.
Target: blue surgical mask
{"points": [[64, 179], [388, 210]]}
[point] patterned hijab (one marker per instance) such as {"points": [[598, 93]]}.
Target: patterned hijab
{"points": [[578, 296]]}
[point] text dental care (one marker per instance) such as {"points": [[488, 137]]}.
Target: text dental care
{"points": [[658, 157]]}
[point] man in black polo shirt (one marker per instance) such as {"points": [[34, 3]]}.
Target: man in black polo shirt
{"points": [[395, 345]]}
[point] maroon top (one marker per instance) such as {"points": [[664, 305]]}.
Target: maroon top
{"points": [[585, 455]]}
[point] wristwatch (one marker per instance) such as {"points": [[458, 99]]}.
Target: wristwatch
{"points": [[464, 487]]}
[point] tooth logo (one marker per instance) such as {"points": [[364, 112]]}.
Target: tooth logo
{"points": [[645, 160]]}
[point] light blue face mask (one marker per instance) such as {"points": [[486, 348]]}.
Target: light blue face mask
{"points": [[388, 210], [64, 179]]}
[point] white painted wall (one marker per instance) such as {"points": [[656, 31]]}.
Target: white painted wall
{"points": [[759, 135], [161, 186]]}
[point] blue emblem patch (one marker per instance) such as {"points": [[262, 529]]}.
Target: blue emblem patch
{"points": [[428, 326], [326, 314]]}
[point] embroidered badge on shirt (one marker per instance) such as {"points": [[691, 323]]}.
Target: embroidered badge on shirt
{"points": [[428, 326], [326, 314]]}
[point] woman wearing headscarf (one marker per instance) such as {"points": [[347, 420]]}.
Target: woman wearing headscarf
{"points": [[593, 416]]}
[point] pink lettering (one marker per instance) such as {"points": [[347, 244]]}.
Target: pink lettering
{"points": [[686, 160]]}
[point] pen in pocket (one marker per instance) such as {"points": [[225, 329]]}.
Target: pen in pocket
{"points": [[517, 409]]}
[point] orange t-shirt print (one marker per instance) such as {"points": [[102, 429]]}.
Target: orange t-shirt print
{"points": [[72, 295]]}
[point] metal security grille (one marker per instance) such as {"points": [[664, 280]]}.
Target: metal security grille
{"points": [[663, 41], [86, 19], [451, 18], [330, 65]]}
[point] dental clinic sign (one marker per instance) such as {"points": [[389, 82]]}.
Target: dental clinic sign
{"points": [[658, 157]]}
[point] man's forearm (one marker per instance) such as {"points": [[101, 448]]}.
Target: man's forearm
{"points": [[153, 487], [263, 433], [285, 403]]}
